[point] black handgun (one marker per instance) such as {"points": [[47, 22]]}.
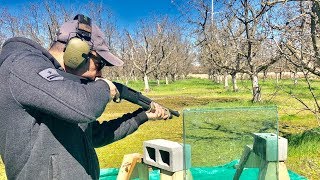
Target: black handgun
{"points": [[139, 99]]}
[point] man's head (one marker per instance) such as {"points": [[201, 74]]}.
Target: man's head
{"points": [[85, 51]]}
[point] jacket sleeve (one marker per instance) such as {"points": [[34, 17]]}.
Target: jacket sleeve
{"points": [[116, 129], [55, 95]]}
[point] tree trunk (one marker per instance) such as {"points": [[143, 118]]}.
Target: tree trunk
{"points": [[211, 77], [127, 81], [167, 80], [210, 74], [158, 82], [173, 77], [256, 91], [226, 84], [295, 80], [265, 73], [146, 83], [218, 79], [242, 77], [234, 82]]}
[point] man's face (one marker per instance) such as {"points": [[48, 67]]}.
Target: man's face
{"points": [[92, 68]]}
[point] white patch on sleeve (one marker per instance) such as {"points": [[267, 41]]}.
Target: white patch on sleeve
{"points": [[51, 74]]}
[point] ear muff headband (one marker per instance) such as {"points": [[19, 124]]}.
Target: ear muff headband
{"points": [[77, 48]]}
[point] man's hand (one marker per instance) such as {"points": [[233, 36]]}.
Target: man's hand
{"points": [[157, 112], [114, 93]]}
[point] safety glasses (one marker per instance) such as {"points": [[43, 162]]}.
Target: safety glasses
{"points": [[98, 61]]}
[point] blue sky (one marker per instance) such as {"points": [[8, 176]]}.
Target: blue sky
{"points": [[133, 10], [127, 12]]}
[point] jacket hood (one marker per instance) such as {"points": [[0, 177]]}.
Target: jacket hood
{"points": [[20, 44]]}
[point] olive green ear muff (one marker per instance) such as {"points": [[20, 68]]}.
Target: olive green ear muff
{"points": [[77, 48], [76, 52]]}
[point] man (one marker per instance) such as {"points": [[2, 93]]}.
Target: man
{"points": [[49, 105]]}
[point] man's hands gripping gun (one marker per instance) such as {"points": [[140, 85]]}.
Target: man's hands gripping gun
{"points": [[139, 99]]}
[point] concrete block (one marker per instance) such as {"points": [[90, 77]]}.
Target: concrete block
{"points": [[166, 155], [266, 145]]}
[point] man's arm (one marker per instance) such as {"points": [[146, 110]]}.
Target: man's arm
{"points": [[34, 88], [110, 131]]}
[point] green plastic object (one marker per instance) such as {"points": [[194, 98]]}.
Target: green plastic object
{"points": [[225, 171]]}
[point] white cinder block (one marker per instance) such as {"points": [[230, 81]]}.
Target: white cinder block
{"points": [[167, 155], [282, 148]]}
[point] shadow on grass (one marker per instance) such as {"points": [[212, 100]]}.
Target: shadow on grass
{"points": [[312, 135]]}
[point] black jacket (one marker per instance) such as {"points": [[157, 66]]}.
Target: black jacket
{"points": [[48, 117]]}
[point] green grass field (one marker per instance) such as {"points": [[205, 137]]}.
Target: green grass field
{"points": [[298, 125]]}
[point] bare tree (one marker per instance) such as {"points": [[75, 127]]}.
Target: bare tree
{"points": [[11, 23], [219, 43], [34, 24], [251, 15], [53, 23], [179, 56], [299, 43], [148, 47], [127, 55]]}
